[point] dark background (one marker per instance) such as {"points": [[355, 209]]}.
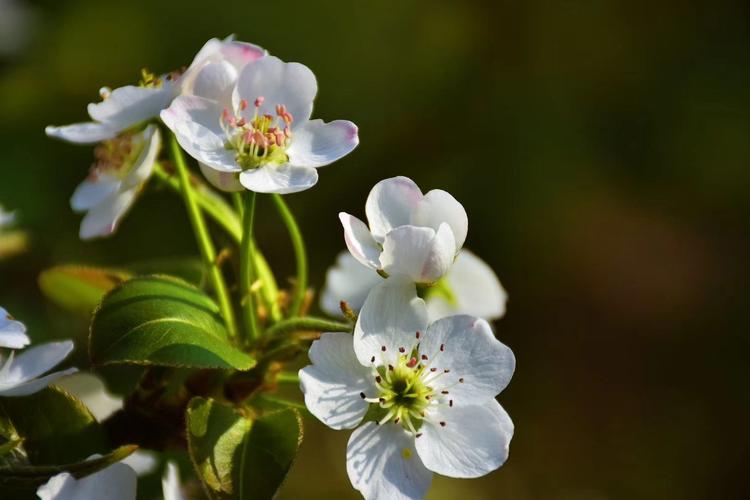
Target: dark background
{"points": [[600, 148]]}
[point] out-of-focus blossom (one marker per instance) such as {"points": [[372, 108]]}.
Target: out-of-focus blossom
{"points": [[469, 287]]}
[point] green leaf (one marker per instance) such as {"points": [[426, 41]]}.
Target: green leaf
{"points": [[56, 427], [190, 269], [31, 476], [237, 456], [159, 320], [9, 446], [79, 288]]}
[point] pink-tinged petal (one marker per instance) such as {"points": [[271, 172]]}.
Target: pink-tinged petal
{"points": [[239, 54], [389, 320], [390, 204], [215, 81], [12, 332], [347, 280], [480, 365], [102, 220], [290, 84], [438, 207], [93, 191], [419, 252], [84, 133], [465, 442], [130, 105], [382, 464], [281, 179], [316, 143], [225, 181], [474, 289], [359, 241], [333, 384]]}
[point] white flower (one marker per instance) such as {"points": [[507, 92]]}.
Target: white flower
{"points": [[123, 165], [428, 392], [170, 483], [469, 287], [12, 332], [410, 234], [6, 218], [116, 482], [259, 136], [18, 376], [126, 107]]}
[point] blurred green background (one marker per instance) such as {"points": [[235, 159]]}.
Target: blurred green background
{"points": [[601, 150]]}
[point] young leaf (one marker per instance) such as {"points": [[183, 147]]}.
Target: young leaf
{"points": [[238, 457], [190, 269], [30, 476], [9, 446], [159, 320], [79, 288], [56, 427]]}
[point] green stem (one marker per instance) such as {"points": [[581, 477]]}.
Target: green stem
{"points": [[210, 202], [204, 241], [308, 323], [247, 268], [299, 253], [287, 378]]}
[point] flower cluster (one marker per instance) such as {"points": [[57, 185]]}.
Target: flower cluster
{"points": [[412, 365], [418, 384]]}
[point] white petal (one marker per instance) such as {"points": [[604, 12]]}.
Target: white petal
{"points": [[438, 207], [359, 241], [317, 143], [170, 483], [90, 389], [84, 133], [226, 181], [144, 164], [116, 482], [282, 179], [475, 290], [215, 81], [39, 359], [467, 347], [35, 385], [102, 220], [12, 332], [142, 462], [347, 280], [473, 442], [93, 191], [390, 204], [290, 84], [383, 465], [196, 124], [419, 252], [333, 384], [130, 105], [390, 318]]}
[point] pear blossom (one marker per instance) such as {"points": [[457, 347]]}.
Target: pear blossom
{"points": [[421, 396], [12, 332], [116, 482], [170, 483], [18, 375], [469, 287], [122, 167], [126, 107], [410, 233], [259, 136], [6, 218]]}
